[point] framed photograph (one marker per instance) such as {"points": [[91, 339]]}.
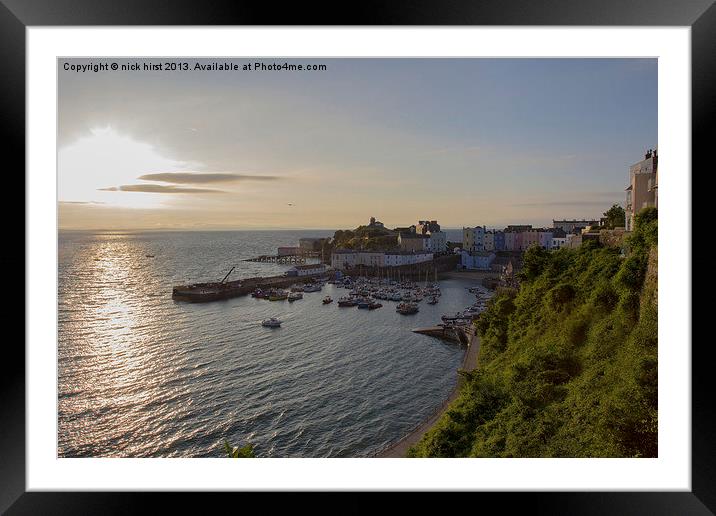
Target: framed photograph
{"points": [[416, 253]]}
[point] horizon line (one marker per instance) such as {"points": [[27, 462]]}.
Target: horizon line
{"points": [[456, 228]]}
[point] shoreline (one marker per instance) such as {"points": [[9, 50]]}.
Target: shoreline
{"points": [[399, 448]]}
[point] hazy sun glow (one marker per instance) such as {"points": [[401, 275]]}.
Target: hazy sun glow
{"points": [[108, 159], [464, 141]]}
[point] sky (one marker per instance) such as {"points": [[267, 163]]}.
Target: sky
{"points": [[466, 142]]}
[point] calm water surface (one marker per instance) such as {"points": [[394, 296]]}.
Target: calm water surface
{"points": [[142, 375]]}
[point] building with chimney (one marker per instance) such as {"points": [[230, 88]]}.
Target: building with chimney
{"points": [[413, 242], [642, 190], [473, 239], [436, 239]]}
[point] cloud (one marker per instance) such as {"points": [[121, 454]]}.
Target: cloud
{"points": [[159, 189], [199, 178]]}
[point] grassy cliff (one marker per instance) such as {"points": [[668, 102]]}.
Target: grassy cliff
{"points": [[568, 364]]}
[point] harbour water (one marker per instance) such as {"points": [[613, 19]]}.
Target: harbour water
{"points": [[141, 375]]}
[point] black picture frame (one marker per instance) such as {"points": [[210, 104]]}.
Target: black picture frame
{"points": [[16, 15]]}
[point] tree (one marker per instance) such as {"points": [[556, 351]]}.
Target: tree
{"points": [[534, 261], [615, 217], [646, 230]]}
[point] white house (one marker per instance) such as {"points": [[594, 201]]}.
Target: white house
{"points": [[371, 258], [397, 258], [436, 240], [558, 242], [479, 260], [344, 259]]}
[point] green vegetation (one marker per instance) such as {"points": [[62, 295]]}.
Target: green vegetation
{"points": [[245, 452], [568, 365], [365, 238], [616, 217]]}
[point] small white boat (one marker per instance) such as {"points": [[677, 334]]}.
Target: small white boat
{"points": [[293, 296], [271, 323], [347, 301]]}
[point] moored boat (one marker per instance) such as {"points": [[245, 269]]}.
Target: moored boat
{"points": [[407, 308], [271, 322], [278, 295], [347, 301], [364, 303]]}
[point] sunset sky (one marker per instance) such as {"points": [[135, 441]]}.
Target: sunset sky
{"points": [[464, 141]]}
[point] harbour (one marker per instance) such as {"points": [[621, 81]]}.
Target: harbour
{"points": [[223, 289], [215, 291], [165, 378]]}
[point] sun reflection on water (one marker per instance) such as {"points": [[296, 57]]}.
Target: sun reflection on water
{"points": [[141, 375], [120, 368]]}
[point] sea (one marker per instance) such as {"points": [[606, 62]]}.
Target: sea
{"points": [[142, 375]]}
